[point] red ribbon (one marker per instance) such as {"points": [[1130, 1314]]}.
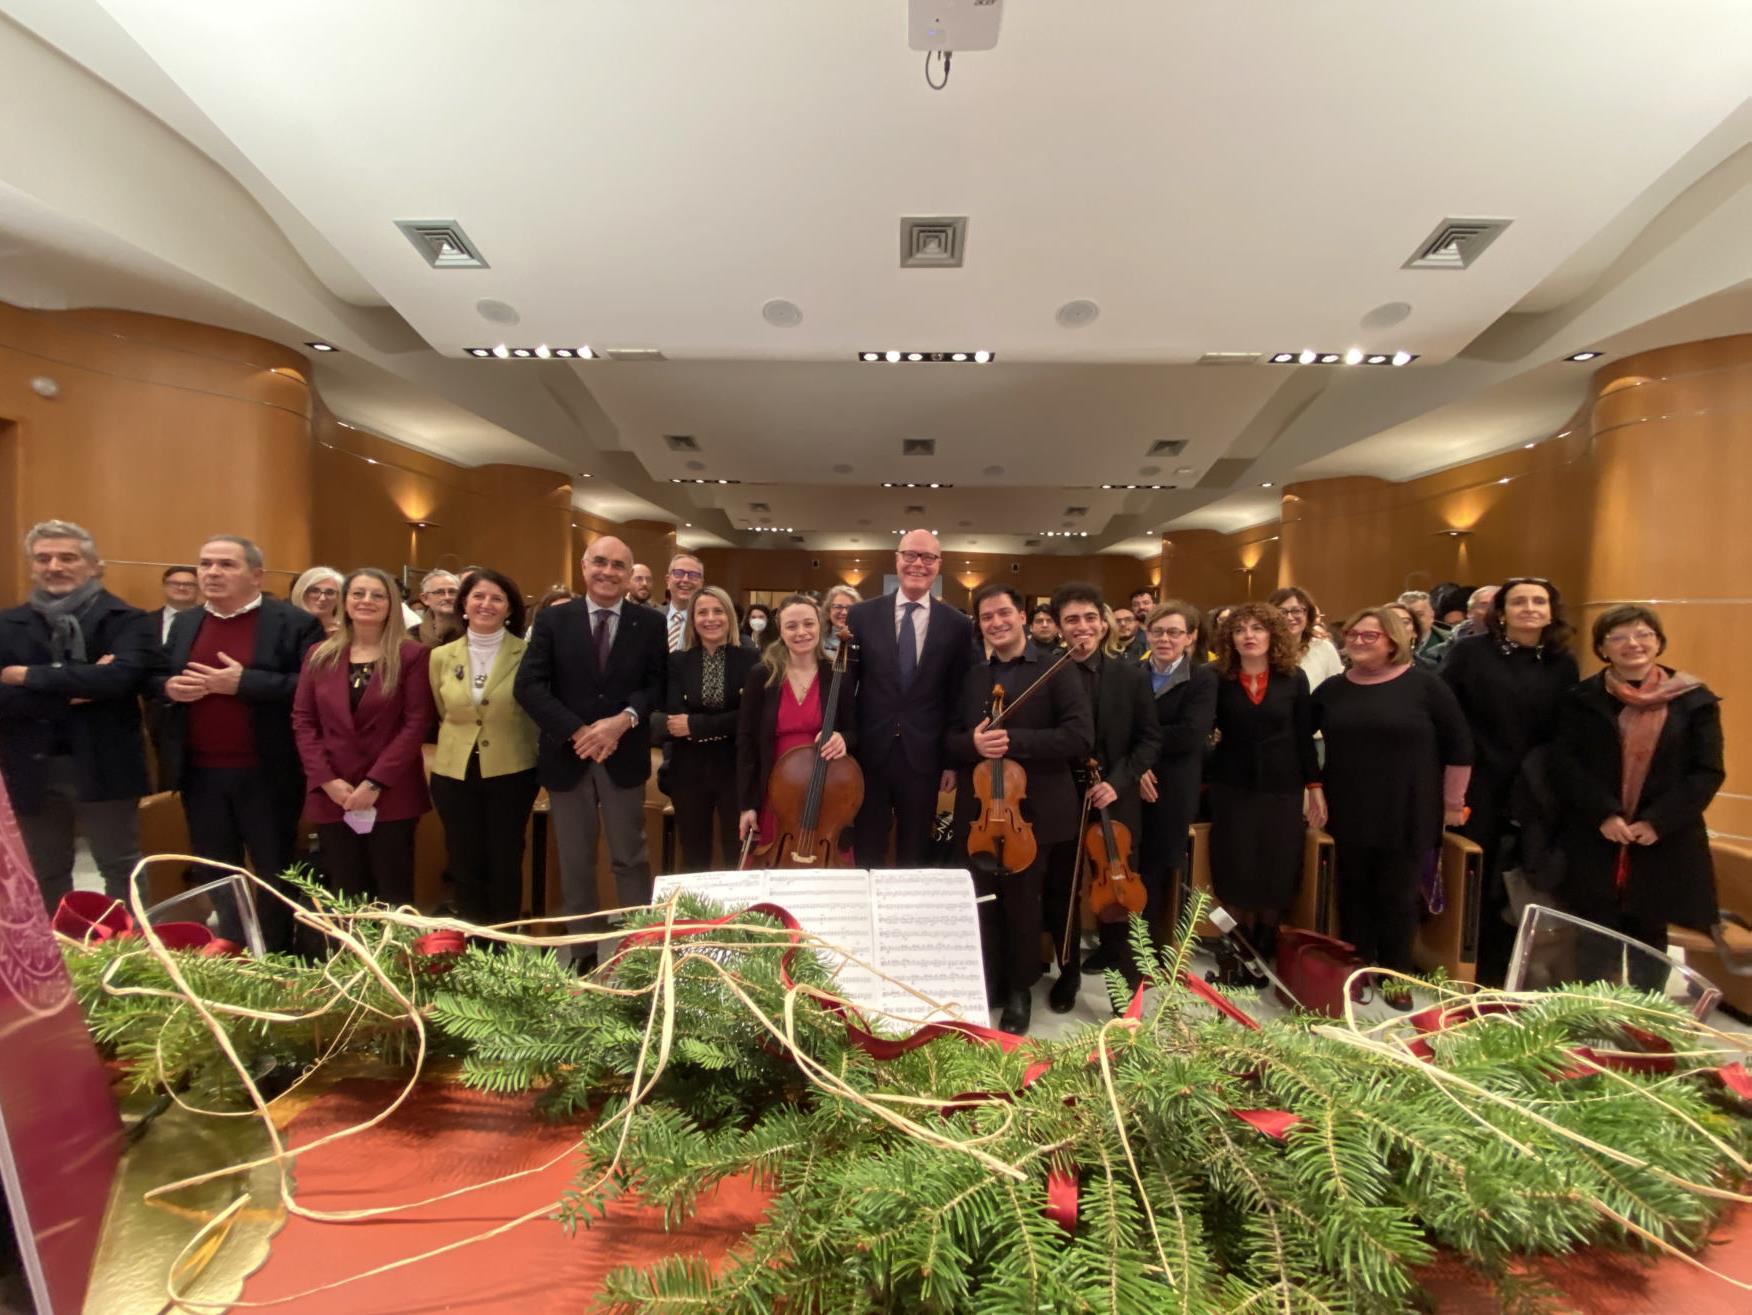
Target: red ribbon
{"points": [[88, 915], [441, 946], [1736, 1079]]}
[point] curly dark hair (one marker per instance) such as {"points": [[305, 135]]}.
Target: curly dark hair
{"points": [[1282, 658], [1555, 638]]}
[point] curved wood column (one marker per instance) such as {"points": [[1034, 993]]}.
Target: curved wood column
{"points": [[1672, 523]]}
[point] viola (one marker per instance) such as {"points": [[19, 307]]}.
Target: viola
{"points": [[814, 800], [1000, 841], [1114, 891]]}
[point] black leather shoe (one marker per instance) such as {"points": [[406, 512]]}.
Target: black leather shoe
{"points": [[1018, 1007], [1100, 961], [1063, 996]]}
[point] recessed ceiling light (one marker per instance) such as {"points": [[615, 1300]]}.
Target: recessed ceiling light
{"points": [[1308, 356], [869, 356], [501, 351], [1378, 359], [322, 347], [1283, 358], [958, 356], [891, 356], [1266, 485], [544, 351], [1579, 356], [585, 354], [521, 351], [1329, 358], [563, 351], [980, 358], [1505, 479], [1354, 356], [480, 351], [1529, 446], [1401, 358], [914, 356]]}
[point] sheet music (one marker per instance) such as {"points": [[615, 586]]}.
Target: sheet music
{"points": [[916, 925]]}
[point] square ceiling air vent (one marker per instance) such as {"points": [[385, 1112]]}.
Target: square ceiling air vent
{"points": [[682, 442], [1167, 447], [1456, 243], [634, 354], [918, 447], [759, 506], [1076, 511], [935, 242], [914, 510], [443, 243]]}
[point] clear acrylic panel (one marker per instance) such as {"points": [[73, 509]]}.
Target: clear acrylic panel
{"points": [[1553, 947]]}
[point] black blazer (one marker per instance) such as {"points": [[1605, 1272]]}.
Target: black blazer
{"points": [[1268, 747], [1047, 732], [691, 762], [759, 714], [1672, 880], [103, 735], [284, 633], [912, 722], [1127, 734], [560, 687], [1186, 709]]}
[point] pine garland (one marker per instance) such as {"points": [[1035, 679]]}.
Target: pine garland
{"points": [[700, 1065]]}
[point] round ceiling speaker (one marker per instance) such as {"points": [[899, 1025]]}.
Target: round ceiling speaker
{"points": [[497, 312], [1075, 314], [1386, 315], [781, 314]]}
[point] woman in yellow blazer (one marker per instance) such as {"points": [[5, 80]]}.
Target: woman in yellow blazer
{"points": [[483, 775]]}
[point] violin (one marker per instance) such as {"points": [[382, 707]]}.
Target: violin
{"points": [[813, 800], [1000, 841], [1114, 891]]}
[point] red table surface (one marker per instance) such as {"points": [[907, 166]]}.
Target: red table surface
{"points": [[447, 1136]]}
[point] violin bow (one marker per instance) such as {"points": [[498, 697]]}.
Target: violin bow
{"points": [[1076, 881], [1022, 698]]}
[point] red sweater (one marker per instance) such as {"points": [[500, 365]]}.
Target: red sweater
{"points": [[222, 726]]}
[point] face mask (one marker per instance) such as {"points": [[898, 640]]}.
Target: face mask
{"points": [[757, 624]]}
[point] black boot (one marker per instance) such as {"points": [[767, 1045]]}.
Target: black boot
{"points": [[1018, 1007], [1063, 996], [1099, 960]]}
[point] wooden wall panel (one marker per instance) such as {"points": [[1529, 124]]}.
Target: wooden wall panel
{"points": [[1209, 569], [161, 432]]}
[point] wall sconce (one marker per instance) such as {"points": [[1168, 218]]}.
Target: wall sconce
{"points": [[1452, 534], [425, 525]]}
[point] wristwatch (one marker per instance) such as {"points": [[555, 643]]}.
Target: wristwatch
{"points": [[632, 717]]}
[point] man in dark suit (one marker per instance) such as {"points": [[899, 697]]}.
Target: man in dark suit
{"points": [[590, 678], [73, 659], [913, 656], [225, 738], [182, 590], [1050, 729], [1127, 738]]}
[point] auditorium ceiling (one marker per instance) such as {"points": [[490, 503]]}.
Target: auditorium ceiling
{"points": [[1220, 180]]}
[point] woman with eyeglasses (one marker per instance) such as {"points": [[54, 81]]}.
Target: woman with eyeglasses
{"points": [[1636, 758], [701, 704], [1186, 708], [837, 603], [1509, 681], [318, 591], [1264, 776], [1317, 657], [1398, 758]]}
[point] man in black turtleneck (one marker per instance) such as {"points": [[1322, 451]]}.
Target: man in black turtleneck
{"points": [[73, 659]]}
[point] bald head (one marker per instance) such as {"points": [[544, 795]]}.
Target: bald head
{"points": [[607, 564], [917, 559]]}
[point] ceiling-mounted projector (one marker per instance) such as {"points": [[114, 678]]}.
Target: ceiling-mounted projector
{"points": [[957, 25]]}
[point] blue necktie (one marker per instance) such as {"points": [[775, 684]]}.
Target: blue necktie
{"points": [[909, 645]]}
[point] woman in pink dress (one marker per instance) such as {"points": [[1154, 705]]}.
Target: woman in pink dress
{"points": [[782, 706]]}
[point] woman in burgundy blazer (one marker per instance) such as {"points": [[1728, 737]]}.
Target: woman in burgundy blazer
{"points": [[360, 716]]}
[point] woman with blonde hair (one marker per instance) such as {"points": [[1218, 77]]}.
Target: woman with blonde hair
{"points": [[1264, 776], [360, 715], [702, 701], [837, 604], [784, 704], [1398, 757], [318, 591]]}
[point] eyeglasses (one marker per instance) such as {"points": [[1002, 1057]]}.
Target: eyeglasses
{"points": [[1632, 636], [1363, 636], [321, 592], [1293, 609], [677, 574], [1157, 632], [909, 556], [605, 563]]}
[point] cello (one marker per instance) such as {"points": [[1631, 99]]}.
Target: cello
{"points": [[1114, 891], [813, 800], [1000, 841]]}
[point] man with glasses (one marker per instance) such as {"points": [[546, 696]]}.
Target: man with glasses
{"points": [[913, 656], [438, 594], [686, 577], [590, 678]]}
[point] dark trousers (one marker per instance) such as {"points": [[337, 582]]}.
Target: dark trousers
{"points": [[1061, 864], [1602, 959], [111, 828], [893, 789], [1009, 928], [1490, 828], [232, 811], [378, 864], [484, 821], [702, 808], [1377, 902]]}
